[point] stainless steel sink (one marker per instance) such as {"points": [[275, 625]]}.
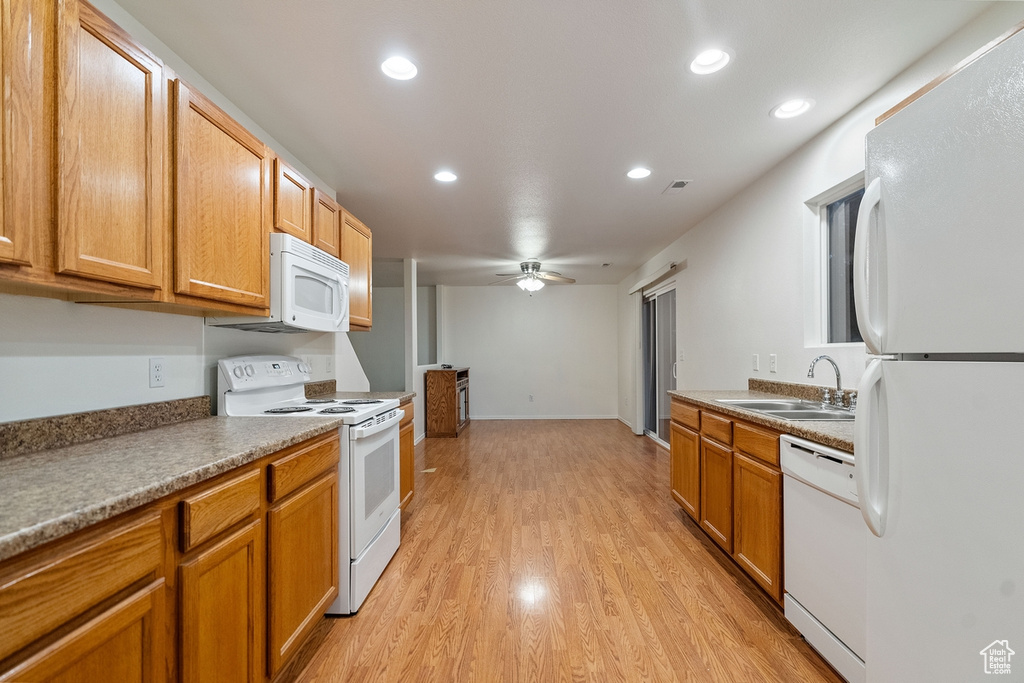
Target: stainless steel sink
{"points": [[820, 414], [788, 409], [762, 404]]}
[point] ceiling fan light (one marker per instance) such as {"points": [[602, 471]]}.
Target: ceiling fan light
{"points": [[530, 284]]}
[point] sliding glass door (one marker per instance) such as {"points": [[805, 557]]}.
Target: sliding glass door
{"points": [[658, 339]]}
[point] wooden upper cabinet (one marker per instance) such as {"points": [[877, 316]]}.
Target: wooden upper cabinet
{"points": [[357, 252], [111, 117], [293, 202], [326, 223], [20, 71], [222, 201]]}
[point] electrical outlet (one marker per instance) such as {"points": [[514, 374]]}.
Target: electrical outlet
{"points": [[773, 363], [682, 354], [531, 398], [156, 372], [330, 364], [757, 363]]}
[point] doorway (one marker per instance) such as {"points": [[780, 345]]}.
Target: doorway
{"points": [[658, 340]]}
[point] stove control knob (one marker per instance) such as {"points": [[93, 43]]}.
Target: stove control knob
{"points": [[250, 370], [238, 372], [304, 368]]}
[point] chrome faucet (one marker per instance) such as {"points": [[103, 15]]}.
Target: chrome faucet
{"points": [[838, 398]]}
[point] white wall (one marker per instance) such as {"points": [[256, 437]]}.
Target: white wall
{"points": [[748, 278], [58, 357], [381, 351], [560, 345]]}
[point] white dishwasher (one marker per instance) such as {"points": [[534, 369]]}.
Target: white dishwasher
{"points": [[825, 553]]}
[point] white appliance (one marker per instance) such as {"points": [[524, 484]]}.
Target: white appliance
{"points": [[939, 290], [824, 552], [369, 527], [308, 291]]}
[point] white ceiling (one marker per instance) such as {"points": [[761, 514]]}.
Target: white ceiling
{"points": [[540, 107]]}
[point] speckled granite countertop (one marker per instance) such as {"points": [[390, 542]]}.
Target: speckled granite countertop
{"points": [[835, 434], [52, 493]]}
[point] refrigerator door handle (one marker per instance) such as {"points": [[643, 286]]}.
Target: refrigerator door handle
{"points": [[869, 330], [871, 451]]}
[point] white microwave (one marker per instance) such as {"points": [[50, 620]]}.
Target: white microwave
{"points": [[308, 291]]}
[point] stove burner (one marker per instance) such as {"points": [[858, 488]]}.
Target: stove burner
{"points": [[362, 401], [337, 409], [287, 409], [320, 400]]}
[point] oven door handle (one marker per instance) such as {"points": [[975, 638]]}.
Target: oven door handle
{"points": [[377, 427]]}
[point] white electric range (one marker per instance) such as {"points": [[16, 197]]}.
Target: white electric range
{"points": [[369, 525]]}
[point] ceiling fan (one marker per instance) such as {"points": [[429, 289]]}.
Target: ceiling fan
{"points": [[533, 277]]}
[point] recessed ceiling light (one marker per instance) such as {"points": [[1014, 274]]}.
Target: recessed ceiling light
{"points": [[399, 68], [445, 176], [791, 108], [639, 172], [710, 61]]}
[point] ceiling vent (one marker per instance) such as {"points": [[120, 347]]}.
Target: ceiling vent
{"points": [[676, 186]]}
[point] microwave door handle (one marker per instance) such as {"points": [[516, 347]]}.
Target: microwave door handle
{"points": [[343, 286]]}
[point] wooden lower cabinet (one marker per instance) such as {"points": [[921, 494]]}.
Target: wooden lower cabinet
{"points": [[220, 607], [220, 582], [733, 491], [302, 566], [716, 492], [124, 643], [685, 449], [757, 492], [407, 456]]}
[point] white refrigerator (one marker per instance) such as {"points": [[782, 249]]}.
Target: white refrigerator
{"points": [[939, 433]]}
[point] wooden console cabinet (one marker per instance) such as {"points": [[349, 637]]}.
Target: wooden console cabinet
{"points": [[447, 401]]}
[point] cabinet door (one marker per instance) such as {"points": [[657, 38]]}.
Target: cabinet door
{"points": [[326, 224], [111, 116], [407, 455], [716, 492], [757, 541], [125, 643], [293, 202], [222, 201], [685, 451], [20, 68], [357, 252], [302, 562], [220, 611]]}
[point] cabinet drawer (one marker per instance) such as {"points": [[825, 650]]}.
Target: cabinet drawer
{"points": [[407, 407], [758, 442], [69, 580], [717, 428], [686, 414], [207, 513], [301, 464]]}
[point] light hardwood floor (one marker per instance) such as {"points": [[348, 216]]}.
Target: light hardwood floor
{"points": [[552, 551]]}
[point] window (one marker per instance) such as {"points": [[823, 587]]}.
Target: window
{"points": [[839, 221]]}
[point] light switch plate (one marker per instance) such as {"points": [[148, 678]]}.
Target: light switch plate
{"points": [[773, 363], [757, 363]]}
